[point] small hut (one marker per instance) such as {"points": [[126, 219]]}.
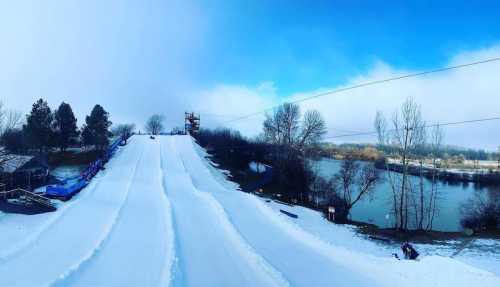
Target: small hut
{"points": [[24, 171]]}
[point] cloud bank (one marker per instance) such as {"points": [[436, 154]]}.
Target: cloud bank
{"points": [[456, 95], [136, 59]]}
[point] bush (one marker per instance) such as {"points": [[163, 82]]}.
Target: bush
{"points": [[482, 212]]}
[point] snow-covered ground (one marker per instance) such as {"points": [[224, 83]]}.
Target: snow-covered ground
{"points": [[67, 171], [162, 215]]}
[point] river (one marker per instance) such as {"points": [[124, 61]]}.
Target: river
{"points": [[376, 210]]}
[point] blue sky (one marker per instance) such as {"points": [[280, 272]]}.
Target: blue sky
{"points": [[230, 58], [303, 45]]}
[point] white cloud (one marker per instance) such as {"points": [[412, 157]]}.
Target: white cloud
{"points": [[462, 94], [223, 103]]}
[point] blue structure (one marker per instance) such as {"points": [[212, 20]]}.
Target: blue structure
{"points": [[69, 187], [265, 179]]}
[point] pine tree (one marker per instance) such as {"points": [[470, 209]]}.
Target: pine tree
{"points": [[96, 129], [64, 126], [39, 125]]}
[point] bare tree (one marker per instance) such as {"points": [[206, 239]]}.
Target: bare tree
{"points": [[407, 135], [381, 128], [9, 120], [313, 129], [284, 127], [154, 125], [436, 145], [355, 180], [290, 136], [322, 189], [383, 140], [124, 131]]}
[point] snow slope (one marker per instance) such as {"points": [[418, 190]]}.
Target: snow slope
{"points": [[345, 260], [162, 215]]}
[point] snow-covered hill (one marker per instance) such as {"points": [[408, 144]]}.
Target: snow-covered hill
{"points": [[161, 215]]}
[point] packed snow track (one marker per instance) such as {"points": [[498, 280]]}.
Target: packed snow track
{"points": [[161, 215]]}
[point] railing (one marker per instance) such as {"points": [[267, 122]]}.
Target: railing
{"points": [[28, 196]]}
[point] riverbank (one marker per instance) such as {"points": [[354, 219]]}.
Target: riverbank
{"points": [[481, 176], [419, 236]]}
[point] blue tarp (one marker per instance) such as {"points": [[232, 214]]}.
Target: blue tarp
{"points": [[66, 189], [70, 186]]}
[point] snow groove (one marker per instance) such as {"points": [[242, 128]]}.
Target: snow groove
{"points": [[74, 234], [27, 241], [245, 219], [220, 257], [162, 215], [85, 260], [333, 263], [168, 265], [52, 219], [140, 235], [237, 237]]}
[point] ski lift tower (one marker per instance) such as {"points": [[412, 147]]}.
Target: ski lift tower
{"points": [[191, 123]]}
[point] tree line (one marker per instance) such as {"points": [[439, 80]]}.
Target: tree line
{"points": [[44, 129], [415, 205], [368, 151], [288, 142], [290, 139]]}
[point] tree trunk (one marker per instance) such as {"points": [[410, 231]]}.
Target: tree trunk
{"points": [[403, 217], [421, 220]]}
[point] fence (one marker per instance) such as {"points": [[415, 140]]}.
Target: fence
{"points": [[71, 186]]}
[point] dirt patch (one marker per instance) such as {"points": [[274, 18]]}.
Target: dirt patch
{"points": [[426, 237]]}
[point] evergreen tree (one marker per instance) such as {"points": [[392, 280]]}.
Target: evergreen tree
{"points": [[64, 126], [38, 125], [95, 131]]}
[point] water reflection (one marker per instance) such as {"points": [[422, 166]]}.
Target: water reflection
{"points": [[377, 210]]}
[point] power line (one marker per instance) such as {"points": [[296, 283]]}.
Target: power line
{"points": [[425, 126], [370, 84], [374, 132]]}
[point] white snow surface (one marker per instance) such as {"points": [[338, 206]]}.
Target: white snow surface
{"points": [[162, 215], [257, 167]]}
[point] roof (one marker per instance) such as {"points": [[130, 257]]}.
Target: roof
{"points": [[14, 162]]}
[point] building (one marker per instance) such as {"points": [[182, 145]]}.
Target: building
{"points": [[24, 171]]}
